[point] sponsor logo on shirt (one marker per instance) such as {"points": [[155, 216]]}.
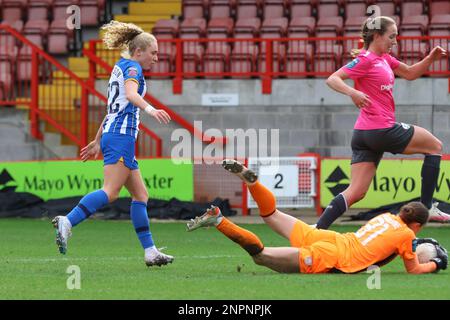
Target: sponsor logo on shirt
{"points": [[352, 63], [386, 87], [132, 72]]}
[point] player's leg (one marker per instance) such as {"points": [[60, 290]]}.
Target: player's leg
{"points": [[139, 217], [282, 259], [362, 174], [115, 176], [278, 221], [278, 259], [426, 143]]}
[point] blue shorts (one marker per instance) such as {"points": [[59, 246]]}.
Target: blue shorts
{"points": [[118, 147]]}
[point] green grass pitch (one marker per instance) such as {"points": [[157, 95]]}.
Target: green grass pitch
{"points": [[207, 266]]}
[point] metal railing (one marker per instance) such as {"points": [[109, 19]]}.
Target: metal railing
{"points": [[269, 58], [54, 95]]}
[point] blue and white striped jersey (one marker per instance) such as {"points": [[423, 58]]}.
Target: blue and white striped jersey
{"points": [[123, 116]]}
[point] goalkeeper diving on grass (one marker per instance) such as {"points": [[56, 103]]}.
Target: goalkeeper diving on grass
{"points": [[315, 250]]}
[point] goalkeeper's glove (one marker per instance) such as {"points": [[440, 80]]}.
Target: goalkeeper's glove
{"points": [[442, 258], [427, 240]]}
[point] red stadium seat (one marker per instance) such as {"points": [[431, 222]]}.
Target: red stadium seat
{"points": [[166, 56], [220, 8], [354, 23], [327, 9], [275, 25], [89, 12], [6, 77], [6, 39], [60, 8], [273, 8], [387, 8], [299, 54], [243, 58], [12, 10], [195, 27], [418, 23], [192, 57], [220, 28], [412, 50], [247, 9], [193, 9], [411, 8], [355, 9], [296, 63], [349, 45], [163, 26], [216, 59], [247, 28], [59, 37], [38, 9], [327, 24], [24, 64], [274, 28], [38, 26], [439, 22], [438, 7], [327, 57], [302, 24], [300, 8]]}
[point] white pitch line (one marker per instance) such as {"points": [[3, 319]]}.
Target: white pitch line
{"points": [[65, 259]]}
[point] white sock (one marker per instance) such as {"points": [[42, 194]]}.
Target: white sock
{"points": [[218, 221], [151, 250]]}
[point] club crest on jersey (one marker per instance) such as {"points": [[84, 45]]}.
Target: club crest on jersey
{"points": [[352, 63], [132, 72], [308, 261]]}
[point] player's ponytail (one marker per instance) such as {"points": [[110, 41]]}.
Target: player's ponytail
{"points": [[414, 212], [370, 27], [126, 37]]}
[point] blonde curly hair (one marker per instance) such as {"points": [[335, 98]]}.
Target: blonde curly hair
{"points": [[126, 37]]}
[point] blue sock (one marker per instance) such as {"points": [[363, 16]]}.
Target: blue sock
{"points": [[87, 206], [141, 224]]}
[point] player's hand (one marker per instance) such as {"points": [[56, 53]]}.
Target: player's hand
{"points": [[160, 115], [92, 150], [360, 99], [437, 53], [442, 258], [427, 240]]}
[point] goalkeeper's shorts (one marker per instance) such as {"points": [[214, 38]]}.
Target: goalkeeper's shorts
{"points": [[318, 250]]}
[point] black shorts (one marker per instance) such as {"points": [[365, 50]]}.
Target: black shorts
{"points": [[369, 145]]}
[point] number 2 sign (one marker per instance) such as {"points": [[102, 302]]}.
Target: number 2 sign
{"points": [[281, 180]]}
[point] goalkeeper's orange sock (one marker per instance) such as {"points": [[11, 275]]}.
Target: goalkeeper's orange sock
{"points": [[246, 239], [264, 199]]}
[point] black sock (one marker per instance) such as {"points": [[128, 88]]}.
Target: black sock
{"points": [[430, 175], [334, 210]]}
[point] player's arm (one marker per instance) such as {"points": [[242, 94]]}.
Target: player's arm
{"points": [[131, 92], [92, 150], [418, 69], [100, 130], [336, 82], [413, 266]]}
